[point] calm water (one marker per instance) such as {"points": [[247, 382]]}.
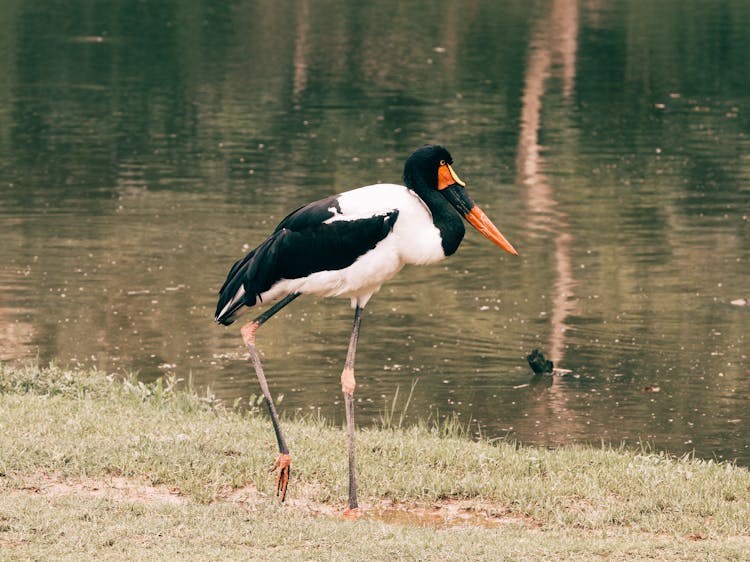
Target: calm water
{"points": [[144, 146]]}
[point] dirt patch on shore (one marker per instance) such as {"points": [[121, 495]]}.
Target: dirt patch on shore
{"points": [[113, 488], [443, 513]]}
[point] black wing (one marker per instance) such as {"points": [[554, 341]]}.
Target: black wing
{"points": [[302, 244]]}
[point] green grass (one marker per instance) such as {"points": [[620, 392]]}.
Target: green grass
{"points": [[102, 468]]}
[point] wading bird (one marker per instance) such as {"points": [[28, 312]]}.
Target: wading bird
{"points": [[348, 245]]}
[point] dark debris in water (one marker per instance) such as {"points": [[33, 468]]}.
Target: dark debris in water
{"points": [[539, 364]]}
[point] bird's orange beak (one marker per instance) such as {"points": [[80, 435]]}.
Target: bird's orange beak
{"points": [[483, 224], [451, 186]]}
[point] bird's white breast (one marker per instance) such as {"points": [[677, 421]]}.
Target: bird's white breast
{"points": [[415, 238]]}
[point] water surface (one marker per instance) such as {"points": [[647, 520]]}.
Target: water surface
{"points": [[146, 146]]}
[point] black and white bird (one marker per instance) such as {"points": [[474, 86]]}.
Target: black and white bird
{"points": [[348, 245]]}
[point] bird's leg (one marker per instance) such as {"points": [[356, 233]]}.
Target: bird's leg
{"points": [[284, 461], [347, 385]]}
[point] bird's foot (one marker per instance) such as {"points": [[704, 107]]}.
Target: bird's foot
{"points": [[352, 513], [347, 380], [284, 465]]}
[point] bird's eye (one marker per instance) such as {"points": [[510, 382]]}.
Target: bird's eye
{"points": [[442, 162]]}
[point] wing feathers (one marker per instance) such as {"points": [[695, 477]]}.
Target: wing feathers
{"points": [[302, 244]]}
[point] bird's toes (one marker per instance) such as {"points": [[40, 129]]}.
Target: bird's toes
{"points": [[352, 513], [284, 465]]}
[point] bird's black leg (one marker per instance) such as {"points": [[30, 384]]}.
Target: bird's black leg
{"points": [[284, 461], [347, 385]]}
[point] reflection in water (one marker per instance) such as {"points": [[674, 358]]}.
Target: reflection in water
{"points": [[301, 49], [143, 146], [554, 35]]}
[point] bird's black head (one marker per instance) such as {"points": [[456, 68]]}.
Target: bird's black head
{"points": [[429, 171], [421, 168]]}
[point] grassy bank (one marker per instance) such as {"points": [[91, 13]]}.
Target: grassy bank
{"points": [[96, 467]]}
